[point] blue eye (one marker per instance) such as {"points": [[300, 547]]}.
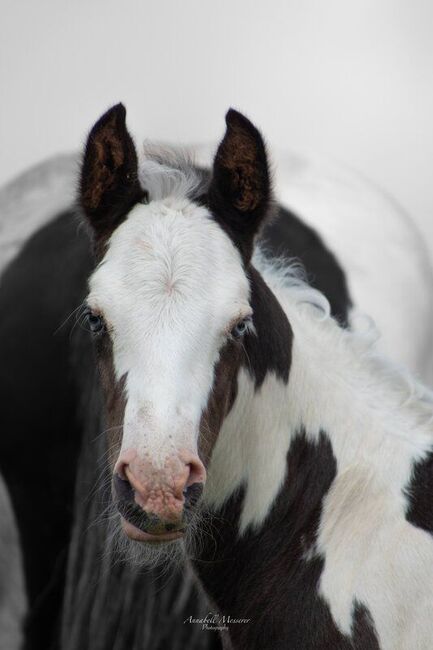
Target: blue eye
{"points": [[95, 322], [241, 328]]}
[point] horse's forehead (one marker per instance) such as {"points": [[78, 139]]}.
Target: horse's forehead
{"points": [[170, 253]]}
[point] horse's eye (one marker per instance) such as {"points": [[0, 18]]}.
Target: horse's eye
{"points": [[241, 328], [95, 322]]}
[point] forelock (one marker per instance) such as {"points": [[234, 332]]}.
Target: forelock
{"points": [[170, 172]]}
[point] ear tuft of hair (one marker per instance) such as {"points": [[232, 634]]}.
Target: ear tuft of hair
{"points": [[240, 190], [109, 184]]}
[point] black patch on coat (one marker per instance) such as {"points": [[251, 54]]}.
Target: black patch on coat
{"points": [[420, 494], [263, 575], [364, 635], [288, 237], [270, 347], [221, 397]]}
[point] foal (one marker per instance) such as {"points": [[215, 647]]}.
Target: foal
{"points": [[290, 462]]}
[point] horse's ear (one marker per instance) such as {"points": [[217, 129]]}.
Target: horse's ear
{"points": [[109, 184], [240, 189]]}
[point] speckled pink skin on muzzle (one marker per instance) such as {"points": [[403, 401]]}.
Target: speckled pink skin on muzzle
{"points": [[155, 501]]}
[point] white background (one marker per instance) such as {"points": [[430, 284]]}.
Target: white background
{"points": [[351, 80]]}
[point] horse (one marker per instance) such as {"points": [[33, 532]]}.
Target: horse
{"points": [[60, 429], [286, 457], [46, 260]]}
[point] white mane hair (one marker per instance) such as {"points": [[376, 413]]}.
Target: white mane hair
{"points": [[287, 276], [167, 171]]}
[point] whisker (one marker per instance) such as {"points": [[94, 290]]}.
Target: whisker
{"points": [[74, 311], [102, 433]]}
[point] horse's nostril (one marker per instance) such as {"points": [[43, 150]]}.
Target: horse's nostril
{"points": [[123, 489], [192, 494]]}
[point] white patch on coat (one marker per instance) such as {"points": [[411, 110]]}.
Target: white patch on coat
{"points": [[168, 286], [250, 449], [374, 555]]}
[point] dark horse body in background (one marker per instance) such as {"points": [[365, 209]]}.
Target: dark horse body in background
{"points": [[51, 453]]}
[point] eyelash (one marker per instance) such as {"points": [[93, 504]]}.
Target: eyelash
{"points": [[95, 322]]}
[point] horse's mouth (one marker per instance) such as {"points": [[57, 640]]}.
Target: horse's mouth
{"points": [[148, 527], [139, 535], [143, 527]]}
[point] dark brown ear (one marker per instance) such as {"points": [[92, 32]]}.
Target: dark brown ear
{"points": [[240, 189], [109, 184]]}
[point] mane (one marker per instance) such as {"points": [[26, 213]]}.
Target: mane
{"points": [[165, 171], [360, 343], [288, 274]]}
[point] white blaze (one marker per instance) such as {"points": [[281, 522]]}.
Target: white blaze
{"points": [[168, 286]]}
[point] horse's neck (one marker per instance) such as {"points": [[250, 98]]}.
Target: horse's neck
{"points": [[307, 470]]}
